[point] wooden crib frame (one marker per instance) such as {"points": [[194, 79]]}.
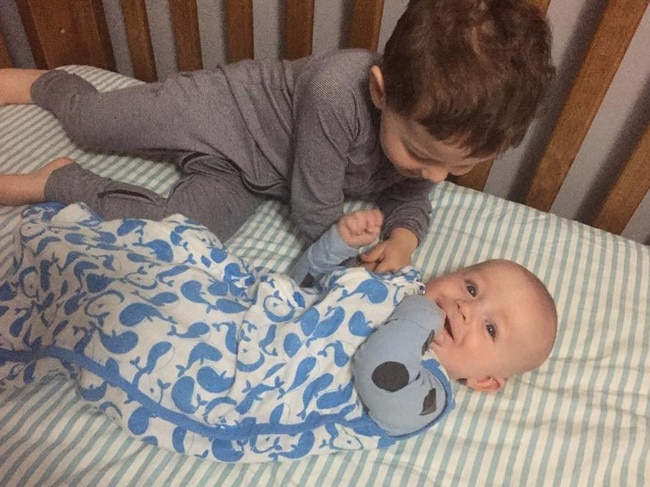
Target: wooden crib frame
{"points": [[75, 32]]}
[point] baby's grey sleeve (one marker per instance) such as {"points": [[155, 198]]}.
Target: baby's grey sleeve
{"points": [[400, 393], [321, 257]]}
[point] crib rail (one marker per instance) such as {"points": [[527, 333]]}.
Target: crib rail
{"points": [[611, 40]]}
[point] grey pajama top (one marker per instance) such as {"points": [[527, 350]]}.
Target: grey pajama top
{"points": [[303, 131]]}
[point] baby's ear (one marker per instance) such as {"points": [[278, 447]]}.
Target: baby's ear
{"points": [[486, 384]]}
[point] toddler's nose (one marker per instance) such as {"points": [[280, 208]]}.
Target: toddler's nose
{"points": [[435, 174]]}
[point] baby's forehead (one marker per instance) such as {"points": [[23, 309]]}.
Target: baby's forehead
{"points": [[500, 272], [512, 286]]}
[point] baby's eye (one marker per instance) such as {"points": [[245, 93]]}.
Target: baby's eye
{"points": [[471, 289], [492, 330]]}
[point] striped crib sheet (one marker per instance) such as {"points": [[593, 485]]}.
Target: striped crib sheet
{"points": [[581, 419]]}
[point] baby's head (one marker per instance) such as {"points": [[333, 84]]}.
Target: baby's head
{"points": [[499, 321], [471, 72]]}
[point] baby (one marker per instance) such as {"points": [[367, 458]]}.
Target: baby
{"points": [[187, 347], [484, 323]]}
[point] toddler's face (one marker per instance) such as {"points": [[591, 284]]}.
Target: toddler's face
{"points": [[416, 154], [410, 147], [496, 322]]}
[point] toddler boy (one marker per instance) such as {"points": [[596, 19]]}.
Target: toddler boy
{"points": [[458, 83]]}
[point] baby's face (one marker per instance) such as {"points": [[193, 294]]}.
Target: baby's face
{"points": [[497, 322]]}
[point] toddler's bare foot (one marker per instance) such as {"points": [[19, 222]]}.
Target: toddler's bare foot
{"points": [[360, 228], [27, 189], [16, 85]]}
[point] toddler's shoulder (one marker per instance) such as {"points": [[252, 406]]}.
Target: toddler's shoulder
{"points": [[348, 58], [340, 71]]}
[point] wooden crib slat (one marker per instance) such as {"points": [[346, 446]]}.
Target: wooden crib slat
{"points": [[366, 23], [185, 22], [138, 37], [5, 61], [629, 190], [614, 33], [67, 32], [239, 29], [299, 28]]}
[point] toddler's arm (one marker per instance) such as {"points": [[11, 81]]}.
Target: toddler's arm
{"points": [[406, 207], [337, 244], [402, 392]]}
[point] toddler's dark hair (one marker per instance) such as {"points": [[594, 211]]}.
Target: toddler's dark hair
{"points": [[473, 72]]}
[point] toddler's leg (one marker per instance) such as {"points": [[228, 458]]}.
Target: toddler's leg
{"points": [[220, 202], [187, 112], [361, 227], [27, 189], [16, 85]]}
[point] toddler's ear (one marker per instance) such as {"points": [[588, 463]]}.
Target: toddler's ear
{"points": [[377, 87], [486, 384]]}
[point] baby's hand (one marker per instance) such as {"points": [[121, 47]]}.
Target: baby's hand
{"points": [[361, 227]]}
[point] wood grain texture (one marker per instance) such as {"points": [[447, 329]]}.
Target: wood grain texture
{"points": [[185, 23], [366, 23], [138, 37], [613, 35], [628, 191], [239, 29], [299, 28], [67, 32]]}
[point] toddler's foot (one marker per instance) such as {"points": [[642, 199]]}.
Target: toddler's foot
{"points": [[27, 189], [16, 85], [360, 228]]}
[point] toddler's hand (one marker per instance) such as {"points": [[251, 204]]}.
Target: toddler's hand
{"points": [[361, 227], [393, 253]]}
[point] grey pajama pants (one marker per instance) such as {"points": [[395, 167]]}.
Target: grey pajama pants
{"points": [[174, 119]]}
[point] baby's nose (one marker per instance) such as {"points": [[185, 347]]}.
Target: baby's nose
{"points": [[464, 310]]}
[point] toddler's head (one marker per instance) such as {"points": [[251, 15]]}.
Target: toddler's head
{"points": [[499, 320], [472, 72]]}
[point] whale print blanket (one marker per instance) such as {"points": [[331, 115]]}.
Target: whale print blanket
{"points": [[183, 344]]}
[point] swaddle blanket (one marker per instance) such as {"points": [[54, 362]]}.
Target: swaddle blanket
{"points": [[185, 345]]}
